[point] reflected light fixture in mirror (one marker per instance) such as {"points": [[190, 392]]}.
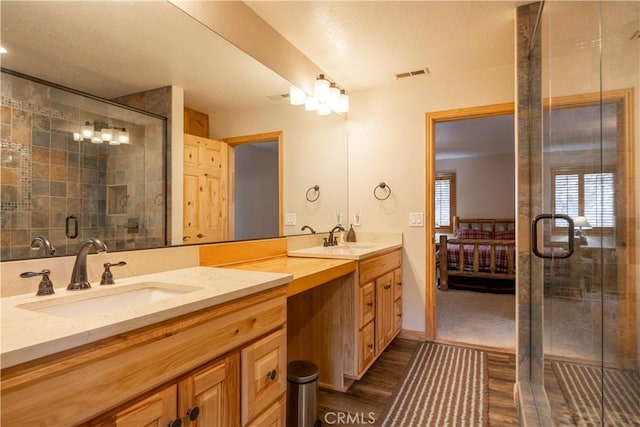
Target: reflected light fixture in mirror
{"points": [[327, 97], [98, 133]]}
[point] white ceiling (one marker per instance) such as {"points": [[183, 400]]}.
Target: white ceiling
{"points": [[359, 44]]}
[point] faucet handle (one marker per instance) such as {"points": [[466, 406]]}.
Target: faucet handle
{"points": [[46, 285], [107, 276]]}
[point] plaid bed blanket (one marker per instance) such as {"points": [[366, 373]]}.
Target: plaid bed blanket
{"points": [[484, 257]]}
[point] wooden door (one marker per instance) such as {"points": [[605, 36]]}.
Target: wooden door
{"points": [[211, 396], [205, 198]]}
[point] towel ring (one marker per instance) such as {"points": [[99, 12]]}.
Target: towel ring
{"points": [[382, 191], [315, 190]]}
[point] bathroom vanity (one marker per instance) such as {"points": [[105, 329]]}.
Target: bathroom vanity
{"points": [[217, 343]]}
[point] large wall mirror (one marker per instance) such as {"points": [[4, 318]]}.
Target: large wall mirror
{"points": [[119, 50]]}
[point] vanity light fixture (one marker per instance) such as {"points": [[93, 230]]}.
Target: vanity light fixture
{"points": [[3, 50], [327, 97], [97, 133], [321, 89]]}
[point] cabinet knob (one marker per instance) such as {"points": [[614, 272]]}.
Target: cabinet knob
{"points": [[369, 304], [370, 346], [193, 413], [175, 423], [200, 235], [272, 374], [387, 287]]}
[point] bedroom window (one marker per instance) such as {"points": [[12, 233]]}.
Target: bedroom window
{"points": [[445, 189], [585, 193]]}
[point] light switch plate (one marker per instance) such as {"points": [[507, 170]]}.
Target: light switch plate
{"points": [[289, 219], [357, 218], [416, 219]]}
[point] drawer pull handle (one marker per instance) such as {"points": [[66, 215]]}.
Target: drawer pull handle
{"points": [[370, 346], [271, 374], [175, 423], [193, 413], [387, 287]]}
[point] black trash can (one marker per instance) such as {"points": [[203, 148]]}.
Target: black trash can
{"points": [[302, 393]]}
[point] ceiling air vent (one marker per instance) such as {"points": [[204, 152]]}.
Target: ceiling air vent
{"points": [[419, 72]]}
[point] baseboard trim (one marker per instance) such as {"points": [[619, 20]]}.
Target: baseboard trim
{"points": [[413, 335]]}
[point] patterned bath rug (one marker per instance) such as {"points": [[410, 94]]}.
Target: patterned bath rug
{"points": [[590, 395], [444, 386]]}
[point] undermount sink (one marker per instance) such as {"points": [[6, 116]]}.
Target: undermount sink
{"points": [[353, 245], [105, 301]]}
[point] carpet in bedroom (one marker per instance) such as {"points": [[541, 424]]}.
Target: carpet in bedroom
{"points": [[476, 318]]}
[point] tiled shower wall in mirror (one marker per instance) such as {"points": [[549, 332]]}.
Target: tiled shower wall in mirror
{"points": [[53, 184]]}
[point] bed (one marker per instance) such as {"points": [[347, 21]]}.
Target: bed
{"points": [[481, 250]]}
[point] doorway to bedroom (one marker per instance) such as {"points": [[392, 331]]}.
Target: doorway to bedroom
{"points": [[473, 164]]}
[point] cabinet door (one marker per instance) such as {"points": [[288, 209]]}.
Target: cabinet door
{"points": [[366, 304], [397, 316], [275, 416], [211, 396], [384, 311], [366, 346], [264, 373], [397, 283], [157, 410]]}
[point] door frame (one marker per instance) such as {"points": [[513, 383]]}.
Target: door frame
{"points": [[433, 118], [253, 139]]}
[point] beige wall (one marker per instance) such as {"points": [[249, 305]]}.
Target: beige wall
{"points": [[387, 143], [315, 153], [485, 186]]}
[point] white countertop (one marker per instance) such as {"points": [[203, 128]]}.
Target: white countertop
{"points": [[357, 250], [27, 334]]}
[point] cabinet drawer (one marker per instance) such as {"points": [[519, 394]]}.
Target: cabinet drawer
{"points": [[366, 304], [397, 283], [264, 373], [274, 416], [376, 267], [366, 343]]}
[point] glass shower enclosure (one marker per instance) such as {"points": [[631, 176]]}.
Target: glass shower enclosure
{"points": [[583, 74]]}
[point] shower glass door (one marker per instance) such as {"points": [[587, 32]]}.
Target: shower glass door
{"points": [[590, 70]]}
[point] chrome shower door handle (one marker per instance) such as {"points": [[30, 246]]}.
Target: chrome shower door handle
{"points": [[534, 236]]}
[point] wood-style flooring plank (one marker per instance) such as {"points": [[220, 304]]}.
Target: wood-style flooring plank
{"points": [[369, 397]]}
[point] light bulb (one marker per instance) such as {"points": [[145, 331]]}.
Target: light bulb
{"points": [[343, 103], [96, 140], [296, 96], [334, 96], [106, 134], [324, 108], [123, 136], [114, 142], [321, 89], [87, 130], [77, 136], [311, 104]]}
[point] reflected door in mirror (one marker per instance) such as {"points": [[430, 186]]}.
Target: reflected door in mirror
{"points": [[206, 206]]}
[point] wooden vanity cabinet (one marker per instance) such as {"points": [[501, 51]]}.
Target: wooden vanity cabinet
{"points": [[379, 307], [156, 374], [208, 397]]}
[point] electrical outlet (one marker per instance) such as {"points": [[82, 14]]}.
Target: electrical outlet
{"points": [[356, 219], [289, 219]]}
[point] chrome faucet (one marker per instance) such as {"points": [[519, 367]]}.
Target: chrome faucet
{"points": [[41, 242], [332, 241], [79, 278]]}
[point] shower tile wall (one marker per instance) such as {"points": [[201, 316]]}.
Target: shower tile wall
{"points": [[47, 176]]}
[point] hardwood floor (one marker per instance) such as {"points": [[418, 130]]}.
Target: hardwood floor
{"points": [[368, 398]]}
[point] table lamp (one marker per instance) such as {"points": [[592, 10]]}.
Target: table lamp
{"points": [[581, 223]]}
